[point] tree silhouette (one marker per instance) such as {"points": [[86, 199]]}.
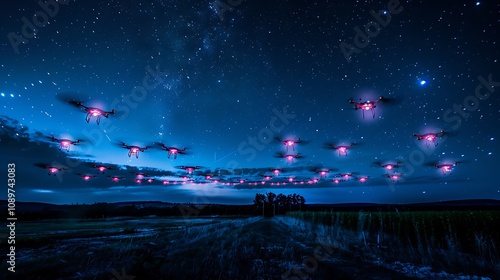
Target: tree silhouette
{"points": [[280, 203]]}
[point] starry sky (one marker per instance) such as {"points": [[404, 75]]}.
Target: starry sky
{"points": [[224, 79]]}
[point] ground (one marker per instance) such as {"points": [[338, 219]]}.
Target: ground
{"points": [[196, 248]]}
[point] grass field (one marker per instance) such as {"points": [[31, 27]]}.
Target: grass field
{"points": [[301, 245], [454, 241]]}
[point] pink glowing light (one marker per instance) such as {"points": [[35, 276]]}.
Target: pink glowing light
{"points": [[290, 179], [290, 143], [336, 181], [446, 168], [362, 179], [53, 170], [95, 112], [101, 168], [430, 138], [389, 167]]}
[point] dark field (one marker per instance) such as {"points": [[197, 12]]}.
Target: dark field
{"points": [[301, 245]]}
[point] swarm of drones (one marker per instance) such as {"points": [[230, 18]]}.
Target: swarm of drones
{"points": [[267, 176]]}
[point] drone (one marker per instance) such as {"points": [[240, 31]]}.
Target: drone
{"points": [[140, 175], [337, 180], [323, 172], [86, 177], [115, 178], [430, 138], [91, 111], [394, 177], [52, 169], [346, 176], [172, 150], [189, 169], [362, 179], [446, 168], [276, 171], [288, 157], [388, 166], [64, 144], [100, 168], [367, 105], [133, 150], [290, 142], [341, 149]]}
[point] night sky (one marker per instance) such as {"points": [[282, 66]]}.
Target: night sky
{"points": [[224, 79]]}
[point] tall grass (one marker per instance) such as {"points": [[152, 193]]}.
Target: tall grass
{"points": [[456, 241]]}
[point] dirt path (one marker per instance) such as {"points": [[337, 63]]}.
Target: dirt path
{"points": [[270, 249]]}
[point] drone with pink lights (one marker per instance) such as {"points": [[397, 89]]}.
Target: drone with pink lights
{"points": [[388, 166], [100, 168], [92, 111], [133, 150], [447, 168], [64, 144], [189, 169], [362, 179], [172, 150], [342, 149], [394, 176], [276, 171], [367, 105], [53, 170], [288, 157], [115, 178], [346, 176], [86, 177], [290, 142], [322, 172], [430, 138]]}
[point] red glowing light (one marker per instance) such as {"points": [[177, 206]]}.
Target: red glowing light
{"points": [[290, 143], [362, 179], [115, 179], [140, 176], [86, 177], [166, 182], [53, 170], [150, 180], [290, 179], [65, 143], [138, 181], [389, 166], [336, 181], [101, 168]]}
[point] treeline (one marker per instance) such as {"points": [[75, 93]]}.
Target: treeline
{"points": [[270, 204], [107, 210]]}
